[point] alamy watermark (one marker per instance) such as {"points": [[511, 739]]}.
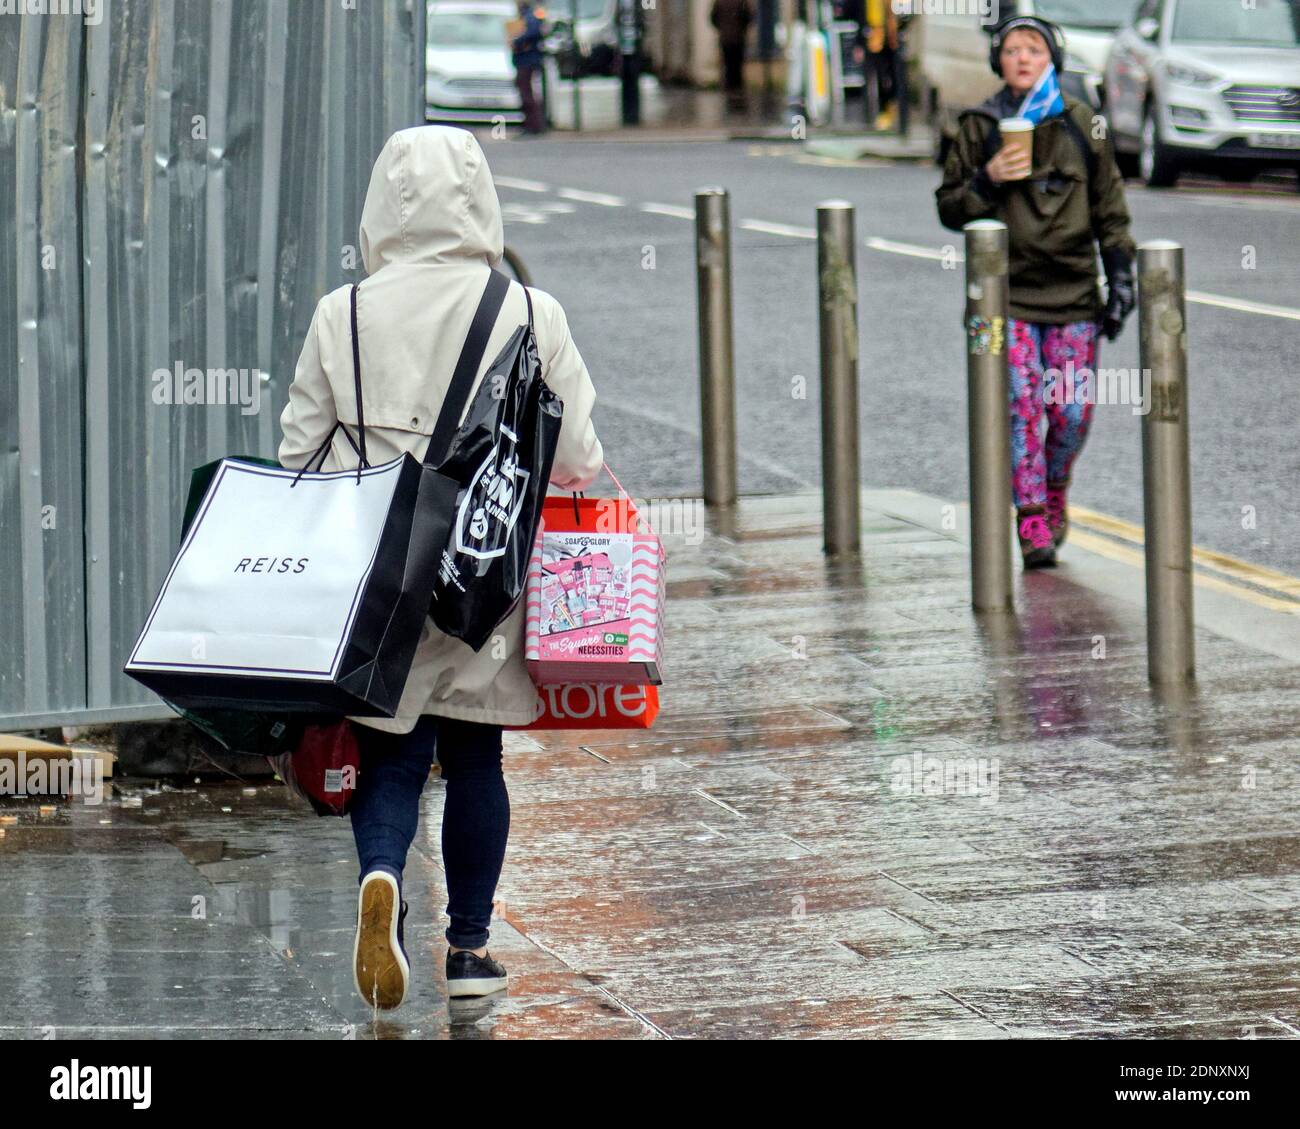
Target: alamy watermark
{"points": [[919, 775], [987, 10], [181, 385], [53, 776], [1100, 386], [665, 516], [90, 11]]}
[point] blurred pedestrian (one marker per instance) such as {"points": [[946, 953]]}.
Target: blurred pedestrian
{"points": [[880, 35], [430, 229], [1059, 200], [732, 19], [526, 54]]}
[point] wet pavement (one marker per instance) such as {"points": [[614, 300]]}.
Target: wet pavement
{"points": [[862, 812]]}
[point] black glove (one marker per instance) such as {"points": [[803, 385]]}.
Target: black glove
{"points": [[1119, 291]]}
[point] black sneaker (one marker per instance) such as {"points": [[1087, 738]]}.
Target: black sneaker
{"points": [[380, 967], [472, 975]]}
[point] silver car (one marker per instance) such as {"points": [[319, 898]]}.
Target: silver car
{"points": [[1206, 84]]}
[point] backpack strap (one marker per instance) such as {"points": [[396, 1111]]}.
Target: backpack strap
{"points": [[1075, 131], [992, 143], [462, 379]]}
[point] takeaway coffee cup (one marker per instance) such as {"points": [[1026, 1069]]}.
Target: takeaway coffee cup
{"points": [[1018, 133]]}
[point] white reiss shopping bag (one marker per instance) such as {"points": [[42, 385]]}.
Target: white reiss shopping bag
{"points": [[304, 591], [295, 591]]}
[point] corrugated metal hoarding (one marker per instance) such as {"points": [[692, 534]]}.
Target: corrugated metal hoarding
{"points": [[180, 181]]}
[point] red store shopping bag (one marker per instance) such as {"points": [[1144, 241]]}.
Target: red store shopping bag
{"points": [[594, 599], [591, 705]]}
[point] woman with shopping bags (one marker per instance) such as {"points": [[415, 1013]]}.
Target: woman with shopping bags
{"points": [[430, 235], [1061, 196]]}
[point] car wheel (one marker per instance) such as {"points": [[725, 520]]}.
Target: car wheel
{"points": [[1128, 163], [1157, 168]]}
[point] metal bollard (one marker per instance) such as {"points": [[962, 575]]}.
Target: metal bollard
{"points": [[717, 369], [838, 331], [1166, 469], [988, 395]]}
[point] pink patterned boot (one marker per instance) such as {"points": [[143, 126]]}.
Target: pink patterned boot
{"points": [[1035, 537]]}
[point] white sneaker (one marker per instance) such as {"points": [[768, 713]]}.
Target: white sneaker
{"points": [[380, 969]]}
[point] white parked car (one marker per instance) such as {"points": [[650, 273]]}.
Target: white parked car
{"points": [[468, 73], [1212, 84]]}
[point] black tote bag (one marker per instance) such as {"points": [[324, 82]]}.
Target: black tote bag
{"points": [[501, 456]]}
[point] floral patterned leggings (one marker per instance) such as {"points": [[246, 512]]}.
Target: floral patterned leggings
{"points": [[1039, 357]]}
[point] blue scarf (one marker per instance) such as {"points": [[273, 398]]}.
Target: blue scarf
{"points": [[1044, 100]]}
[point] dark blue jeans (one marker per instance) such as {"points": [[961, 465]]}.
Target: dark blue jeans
{"points": [[475, 816]]}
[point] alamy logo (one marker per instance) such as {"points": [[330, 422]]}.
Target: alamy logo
{"points": [[102, 1083]]}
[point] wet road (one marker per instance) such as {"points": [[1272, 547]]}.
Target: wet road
{"points": [[861, 813], [606, 228]]}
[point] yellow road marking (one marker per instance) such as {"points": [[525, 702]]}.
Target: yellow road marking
{"points": [[1243, 572], [1095, 543], [1235, 567]]}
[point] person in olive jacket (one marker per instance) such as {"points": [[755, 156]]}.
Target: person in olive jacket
{"points": [[1058, 210]]}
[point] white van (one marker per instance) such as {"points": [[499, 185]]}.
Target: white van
{"points": [[953, 50]]}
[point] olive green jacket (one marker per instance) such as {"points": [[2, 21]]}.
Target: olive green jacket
{"points": [[1056, 218]]}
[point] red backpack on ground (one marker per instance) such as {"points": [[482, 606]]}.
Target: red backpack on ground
{"points": [[322, 767]]}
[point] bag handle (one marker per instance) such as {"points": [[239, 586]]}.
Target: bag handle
{"points": [[362, 461], [319, 453], [640, 518], [462, 379]]}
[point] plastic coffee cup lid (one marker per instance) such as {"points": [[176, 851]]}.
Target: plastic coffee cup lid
{"points": [[1015, 124]]}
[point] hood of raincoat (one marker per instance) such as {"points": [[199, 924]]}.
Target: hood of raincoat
{"points": [[431, 200]]}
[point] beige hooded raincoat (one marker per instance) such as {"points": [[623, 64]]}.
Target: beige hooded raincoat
{"points": [[430, 228]]}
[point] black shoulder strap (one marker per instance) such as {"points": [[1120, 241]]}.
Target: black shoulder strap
{"points": [[992, 142], [1075, 131], [462, 380]]}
